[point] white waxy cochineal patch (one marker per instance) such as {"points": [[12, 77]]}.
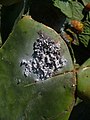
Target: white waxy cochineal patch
{"points": [[45, 60]]}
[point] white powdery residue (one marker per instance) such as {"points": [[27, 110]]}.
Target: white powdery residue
{"points": [[26, 72], [45, 60], [64, 61]]}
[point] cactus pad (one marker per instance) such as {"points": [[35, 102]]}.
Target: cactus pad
{"points": [[22, 96]]}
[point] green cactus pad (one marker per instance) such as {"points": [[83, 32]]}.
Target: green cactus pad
{"points": [[83, 82], [23, 98]]}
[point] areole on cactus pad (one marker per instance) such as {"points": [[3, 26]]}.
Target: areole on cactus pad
{"points": [[24, 97]]}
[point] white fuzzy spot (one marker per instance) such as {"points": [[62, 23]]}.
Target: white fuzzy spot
{"points": [[45, 60]]}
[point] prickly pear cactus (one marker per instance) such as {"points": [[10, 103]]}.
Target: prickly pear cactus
{"points": [[30, 92], [83, 82]]}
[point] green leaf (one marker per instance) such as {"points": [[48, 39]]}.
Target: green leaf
{"points": [[23, 98], [71, 9], [77, 9], [85, 35], [9, 2], [65, 6]]}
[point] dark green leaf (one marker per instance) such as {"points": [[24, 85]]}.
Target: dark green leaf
{"points": [[71, 9], [65, 6], [77, 9], [85, 35]]}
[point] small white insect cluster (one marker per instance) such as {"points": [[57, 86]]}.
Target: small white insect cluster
{"points": [[45, 60]]}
